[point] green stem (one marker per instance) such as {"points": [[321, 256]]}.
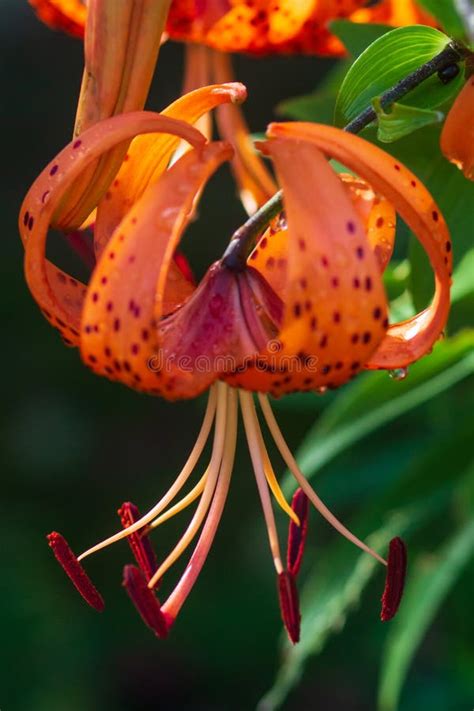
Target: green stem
{"points": [[235, 256]]}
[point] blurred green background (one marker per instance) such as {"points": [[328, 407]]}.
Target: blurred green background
{"points": [[391, 457]]}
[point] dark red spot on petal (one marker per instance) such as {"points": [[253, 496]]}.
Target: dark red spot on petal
{"points": [[395, 580], [75, 571]]}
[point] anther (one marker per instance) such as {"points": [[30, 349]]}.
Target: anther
{"points": [[297, 534], [139, 542], [75, 571], [145, 601], [289, 605], [395, 580]]}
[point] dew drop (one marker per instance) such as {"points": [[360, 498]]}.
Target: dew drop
{"points": [[398, 374]]}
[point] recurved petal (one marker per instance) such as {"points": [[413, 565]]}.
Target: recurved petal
{"points": [[333, 284], [58, 295], [408, 341], [149, 155], [457, 137], [127, 296]]}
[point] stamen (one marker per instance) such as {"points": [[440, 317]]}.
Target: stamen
{"points": [[271, 478], [183, 503], [253, 440], [146, 602], [177, 598], [139, 542], [289, 605], [305, 485], [395, 580], [176, 487], [75, 571], [297, 534], [210, 485]]}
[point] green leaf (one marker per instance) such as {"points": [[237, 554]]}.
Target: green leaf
{"points": [[355, 36], [333, 590], [431, 579], [375, 400], [388, 60], [447, 15], [400, 120]]}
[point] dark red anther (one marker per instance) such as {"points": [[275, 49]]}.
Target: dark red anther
{"points": [[289, 605], [145, 601], [395, 580], [297, 534], [139, 542], [75, 571]]}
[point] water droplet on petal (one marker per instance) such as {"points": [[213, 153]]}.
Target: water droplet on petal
{"points": [[398, 373]]}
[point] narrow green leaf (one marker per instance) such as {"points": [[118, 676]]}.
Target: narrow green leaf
{"points": [[431, 579], [388, 60], [401, 120], [333, 590], [376, 400]]}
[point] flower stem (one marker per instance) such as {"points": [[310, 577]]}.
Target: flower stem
{"points": [[235, 256]]}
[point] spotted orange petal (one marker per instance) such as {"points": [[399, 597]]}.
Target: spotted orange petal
{"points": [[407, 341], [126, 299], [457, 137], [59, 296], [334, 300], [149, 155]]}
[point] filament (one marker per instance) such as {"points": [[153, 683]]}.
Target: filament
{"points": [[305, 485], [176, 599], [253, 440], [210, 484], [175, 487], [183, 503]]}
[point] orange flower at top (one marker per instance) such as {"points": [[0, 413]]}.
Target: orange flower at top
{"points": [[253, 26]]}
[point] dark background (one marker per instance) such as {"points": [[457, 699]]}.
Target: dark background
{"points": [[73, 447]]}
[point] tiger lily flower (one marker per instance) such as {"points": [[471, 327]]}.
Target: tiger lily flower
{"points": [[305, 311], [457, 137]]}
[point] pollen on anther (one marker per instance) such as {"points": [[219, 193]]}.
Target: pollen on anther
{"points": [[145, 601], [297, 534], [75, 571], [139, 542], [289, 605], [395, 580]]}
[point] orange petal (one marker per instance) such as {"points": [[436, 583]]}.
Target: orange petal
{"points": [[254, 180], [394, 12], [149, 155], [377, 214], [126, 298], [408, 341], [334, 299], [66, 15], [457, 137], [121, 49], [61, 300]]}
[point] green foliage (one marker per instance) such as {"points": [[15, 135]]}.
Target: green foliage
{"points": [[388, 60], [447, 15], [433, 577], [400, 120]]}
